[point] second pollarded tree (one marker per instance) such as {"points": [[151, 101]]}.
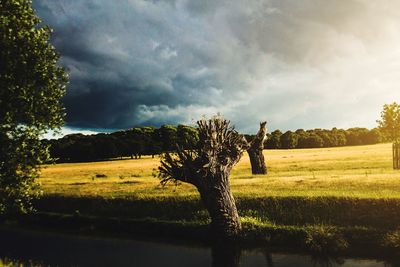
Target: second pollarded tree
{"points": [[255, 151]]}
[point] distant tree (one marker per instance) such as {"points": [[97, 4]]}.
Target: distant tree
{"points": [[187, 137], [153, 142], [300, 132], [356, 136], [104, 146], [120, 140], [274, 140], [32, 84], [373, 136], [208, 168], [315, 140], [302, 141], [78, 147], [325, 135], [137, 139], [339, 137], [168, 136], [289, 140], [389, 124], [310, 141], [255, 151]]}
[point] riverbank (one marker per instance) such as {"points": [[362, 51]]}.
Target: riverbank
{"points": [[38, 248], [319, 240], [330, 225]]}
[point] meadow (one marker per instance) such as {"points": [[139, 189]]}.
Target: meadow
{"points": [[313, 198], [358, 171]]}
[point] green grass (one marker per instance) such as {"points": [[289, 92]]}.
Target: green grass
{"points": [[362, 172], [319, 199]]}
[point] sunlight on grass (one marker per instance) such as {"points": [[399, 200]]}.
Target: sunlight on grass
{"points": [[363, 171]]}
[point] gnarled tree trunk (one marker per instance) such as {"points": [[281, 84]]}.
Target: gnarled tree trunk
{"points": [[217, 198], [255, 151], [208, 168], [257, 162]]}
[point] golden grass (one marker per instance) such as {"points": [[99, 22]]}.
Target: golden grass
{"points": [[362, 171]]}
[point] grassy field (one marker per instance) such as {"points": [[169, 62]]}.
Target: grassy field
{"points": [[312, 198], [361, 171]]}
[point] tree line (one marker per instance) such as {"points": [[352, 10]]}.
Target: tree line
{"points": [[133, 143], [139, 141], [317, 138]]}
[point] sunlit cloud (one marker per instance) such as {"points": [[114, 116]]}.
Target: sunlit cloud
{"points": [[297, 64], [66, 131]]}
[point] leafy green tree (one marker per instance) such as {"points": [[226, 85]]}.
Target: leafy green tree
{"points": [[300, 132], [137, 142], [326, 137], [389, 124], [152, 141], [104, 146], [289, 140], [187, 137], [339, 137], [311, 140], [168, 135], [31, 85], [373, 136], [274, 140], [356, 136]]}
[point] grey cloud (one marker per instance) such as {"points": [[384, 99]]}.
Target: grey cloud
{"points": [[134, 62]]}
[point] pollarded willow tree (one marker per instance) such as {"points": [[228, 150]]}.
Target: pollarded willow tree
{"points": [[208, 167], [255, 151]]}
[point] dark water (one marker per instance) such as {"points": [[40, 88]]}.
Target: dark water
{"points": [[47, 249]]}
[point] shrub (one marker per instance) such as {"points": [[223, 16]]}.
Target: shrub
{"points": [[392, 239], [324, 239]]}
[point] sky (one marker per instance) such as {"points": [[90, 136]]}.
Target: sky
{"points": [[296, 64]]}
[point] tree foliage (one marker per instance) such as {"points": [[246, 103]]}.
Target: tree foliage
{"points": [[139, 141], [274, 140], [389, 124], [289, 140], [32, 84], [323, 138]]}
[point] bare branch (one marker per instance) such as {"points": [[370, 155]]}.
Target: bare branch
{"points": [[258, 140], [208, 167], [220, 148]]}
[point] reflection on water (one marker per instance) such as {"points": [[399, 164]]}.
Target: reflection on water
{"points": [[45, 249]]}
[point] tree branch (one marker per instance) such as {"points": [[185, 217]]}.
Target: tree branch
{"points": [[220, 147]]}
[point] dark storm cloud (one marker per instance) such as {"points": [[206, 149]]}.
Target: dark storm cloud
{"points": [[122, 57], [135, 62]]}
